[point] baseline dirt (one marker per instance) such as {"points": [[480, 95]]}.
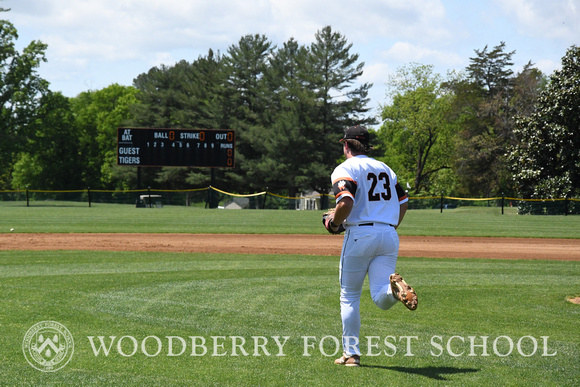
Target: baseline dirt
{"points": [[410, 246]]}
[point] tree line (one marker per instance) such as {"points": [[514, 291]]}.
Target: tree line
{"points": [[479, 132]]}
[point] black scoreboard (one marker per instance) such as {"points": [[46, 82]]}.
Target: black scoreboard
{"points": [[176, 147]]}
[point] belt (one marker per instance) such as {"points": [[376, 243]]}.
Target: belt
{"points": [[372, 224]]}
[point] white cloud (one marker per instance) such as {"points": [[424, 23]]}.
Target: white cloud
{"points": [[104, 41], [548, 66], [545, 19], [163, 58], [377, 73], [178, 23], [406, 52]]}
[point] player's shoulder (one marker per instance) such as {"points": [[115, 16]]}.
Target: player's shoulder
{"points": [[366, 161], [354, 166], [351, 164], [347, 169]]}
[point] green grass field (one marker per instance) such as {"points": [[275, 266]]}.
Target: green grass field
{"points": [[135, 296], [465, 221]]}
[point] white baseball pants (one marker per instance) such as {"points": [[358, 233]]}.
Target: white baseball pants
{"points": [[366, 249]]}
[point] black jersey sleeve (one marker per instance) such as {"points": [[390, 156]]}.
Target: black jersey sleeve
{"points": [[401, 192], [344, 186]]}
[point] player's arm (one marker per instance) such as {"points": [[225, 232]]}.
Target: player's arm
{"points": [[343, 209], [403, 203], [344, 191], [402, 211]]}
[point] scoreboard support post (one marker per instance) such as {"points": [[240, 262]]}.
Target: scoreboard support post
{"points": [[213, 200]]}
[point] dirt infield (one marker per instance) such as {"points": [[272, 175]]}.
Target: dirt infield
{"points": [[411, 246]]}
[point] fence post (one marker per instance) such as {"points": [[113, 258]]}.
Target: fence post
{"points": [[207, 200], [324, 202], [441, 203], [502, 199], [566, 205], [149, 193], [89, 195], [265, 197], [27, 198]]}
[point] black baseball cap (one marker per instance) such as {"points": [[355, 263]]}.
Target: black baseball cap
{"points": [[358, 132]]}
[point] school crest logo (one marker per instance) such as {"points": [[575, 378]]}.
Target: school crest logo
{"points": [[48, 346]]}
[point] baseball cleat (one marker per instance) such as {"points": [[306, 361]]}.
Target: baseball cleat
{"points": [[403, 292], [349, 361]]}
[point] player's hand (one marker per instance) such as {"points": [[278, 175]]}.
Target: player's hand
{"points": [[327, 221]]}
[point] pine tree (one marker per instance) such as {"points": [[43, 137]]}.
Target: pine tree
{"points": [[332, 72]]}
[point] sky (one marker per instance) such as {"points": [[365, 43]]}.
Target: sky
{"points": [[95, 43]]}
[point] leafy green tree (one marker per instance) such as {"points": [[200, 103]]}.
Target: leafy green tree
{"points": [[546, 159], [98, 114], [52, 159], [21, 89], [416, 136]]}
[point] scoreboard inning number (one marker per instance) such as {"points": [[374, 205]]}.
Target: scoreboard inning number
{"points": [[176, 147]]}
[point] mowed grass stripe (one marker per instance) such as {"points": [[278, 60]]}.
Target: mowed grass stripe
{"points": [[179, 294], [464, 221]]}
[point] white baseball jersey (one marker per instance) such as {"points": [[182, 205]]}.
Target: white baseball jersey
{"points": [[373, 187]]}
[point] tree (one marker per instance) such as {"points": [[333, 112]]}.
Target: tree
{"points": [[482, 106], [163, 101], [527, 86], [98, 114], [21, 89], [490, 70], [289, 107], [283, 154], [416, 136], [245, 66], [206, 86], [545, 162], [205, 83], [248, 107], [53, 158], [332, 71], [186, 95]]}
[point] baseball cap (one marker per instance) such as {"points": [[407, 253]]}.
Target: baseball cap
{"points": [[358, 132]]}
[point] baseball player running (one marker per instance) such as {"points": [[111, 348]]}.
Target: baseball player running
{"points": [[370, 206]]}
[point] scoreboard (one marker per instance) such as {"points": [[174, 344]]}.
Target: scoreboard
{"points": [[176, 147]]}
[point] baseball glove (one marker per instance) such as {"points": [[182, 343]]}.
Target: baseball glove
{"points": [[327, 219]]}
